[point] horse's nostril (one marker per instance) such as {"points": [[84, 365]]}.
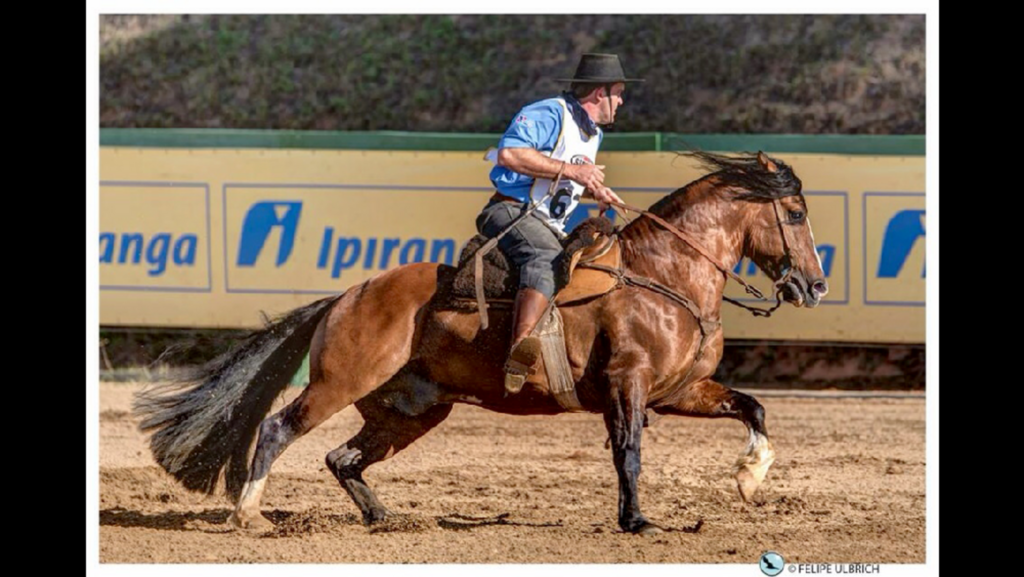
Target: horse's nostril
{"points": [[820, 287]]}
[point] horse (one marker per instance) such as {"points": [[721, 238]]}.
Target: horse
{"points": [[390, 347]]}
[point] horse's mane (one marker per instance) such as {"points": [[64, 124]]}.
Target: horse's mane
{"points": [[742, 174]]}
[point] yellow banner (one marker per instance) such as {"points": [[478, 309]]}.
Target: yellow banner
{"points": [[212, 238]]}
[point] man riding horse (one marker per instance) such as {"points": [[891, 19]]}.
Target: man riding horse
{"points": [[393, 348], [555, 139]]}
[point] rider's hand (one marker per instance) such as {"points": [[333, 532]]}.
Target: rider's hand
{"points": [[603, 195], [589, 175]]}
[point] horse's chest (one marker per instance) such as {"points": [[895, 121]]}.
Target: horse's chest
{"points": [[702, 362], [670, 335], [686, 355]]}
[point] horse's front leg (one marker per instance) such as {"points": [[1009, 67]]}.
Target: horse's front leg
{"points": [[624, 417], [708, 398]]}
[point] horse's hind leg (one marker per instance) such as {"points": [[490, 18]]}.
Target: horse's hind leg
{"points": [[708, 398], [386, 431], [347, 362], [365, 339], [318, 402], [275, 434], [315, 405]]}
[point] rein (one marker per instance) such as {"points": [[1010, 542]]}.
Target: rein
{"points": [[752, 290]]}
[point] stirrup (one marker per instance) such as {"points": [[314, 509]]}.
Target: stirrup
{"points": [[521, 363]]}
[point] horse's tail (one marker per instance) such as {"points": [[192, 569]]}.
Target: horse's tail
{"points": [[207, 422]]}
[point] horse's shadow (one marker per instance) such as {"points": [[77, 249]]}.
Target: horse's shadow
{"points": [[215, 520], [288, 523], [459, 522], [169, 520]]}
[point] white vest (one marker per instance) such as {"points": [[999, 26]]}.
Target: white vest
{"points": [[573, 147]]}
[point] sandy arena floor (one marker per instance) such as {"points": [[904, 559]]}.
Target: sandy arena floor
{"points": [[848, 486]]}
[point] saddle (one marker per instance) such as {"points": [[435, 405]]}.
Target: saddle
{"points": [[594, 241]]}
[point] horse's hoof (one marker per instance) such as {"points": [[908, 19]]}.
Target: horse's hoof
{"points": [[256, 523], [747, 484], [645, 527], [377, 517], [752, 468], [648, 529]]}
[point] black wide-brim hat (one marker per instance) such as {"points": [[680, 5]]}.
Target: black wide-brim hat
{"points": [[599, 69]]}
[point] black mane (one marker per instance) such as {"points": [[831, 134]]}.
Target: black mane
{"points": [[745, 171], [742, 172]]}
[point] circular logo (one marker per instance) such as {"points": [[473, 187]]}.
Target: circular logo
{"points": [[772, 563]]}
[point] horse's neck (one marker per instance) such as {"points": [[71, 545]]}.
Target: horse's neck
{"points": [[651, 251]]}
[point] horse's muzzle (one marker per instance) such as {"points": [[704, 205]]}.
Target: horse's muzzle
{"points": [[801, 293], [819, 289]]}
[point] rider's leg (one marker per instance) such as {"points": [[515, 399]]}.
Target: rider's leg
{"points": [[525, 352], [533, 247]]}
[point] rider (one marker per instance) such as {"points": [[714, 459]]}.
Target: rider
{"points": [[552, 136]]}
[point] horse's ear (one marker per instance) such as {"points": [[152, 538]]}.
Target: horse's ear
{"points": [[765, 162]]}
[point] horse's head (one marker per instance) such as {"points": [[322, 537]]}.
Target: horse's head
{"points": [[778, 237], [750, 205]]}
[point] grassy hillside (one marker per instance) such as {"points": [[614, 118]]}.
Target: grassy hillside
{"points": [[829, 74]]}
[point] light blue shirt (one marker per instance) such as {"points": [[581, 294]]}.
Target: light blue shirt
{"points": [[536, 126]]}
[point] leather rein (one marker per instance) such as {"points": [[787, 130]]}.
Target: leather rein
{"points": [[707, 326], [752, 290]]}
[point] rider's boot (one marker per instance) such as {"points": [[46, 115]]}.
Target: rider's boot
{"points": [[525, 353]]}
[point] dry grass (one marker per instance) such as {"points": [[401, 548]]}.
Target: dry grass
{"points": [[826, 74]]}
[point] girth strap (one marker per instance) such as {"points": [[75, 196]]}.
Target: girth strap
{"points": [[707, 326], [649, 284]]}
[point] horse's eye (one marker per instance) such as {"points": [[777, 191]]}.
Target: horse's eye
{"points": [[796, 215]]}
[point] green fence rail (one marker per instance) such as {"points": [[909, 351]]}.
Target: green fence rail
{"points": [[877, 145]]}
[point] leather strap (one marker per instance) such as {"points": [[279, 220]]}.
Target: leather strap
{"points": [[695, 245], [707, 326]]}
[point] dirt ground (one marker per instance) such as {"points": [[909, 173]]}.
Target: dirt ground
{"points": [[848, 486]]}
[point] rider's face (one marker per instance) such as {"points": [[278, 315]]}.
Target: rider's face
{"points": [[610, 103]]}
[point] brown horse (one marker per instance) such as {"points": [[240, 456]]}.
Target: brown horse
{"points": [[388, 346]]}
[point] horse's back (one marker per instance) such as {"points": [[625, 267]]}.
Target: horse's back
{"points": [[394, 291]]}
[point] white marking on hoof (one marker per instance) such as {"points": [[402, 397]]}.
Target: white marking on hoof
{"points": [[249, 522], [247, 512], [752, 466], [251, 493]]}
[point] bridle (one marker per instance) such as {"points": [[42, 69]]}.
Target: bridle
{"points": [[787, 255], [787, 258]]}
